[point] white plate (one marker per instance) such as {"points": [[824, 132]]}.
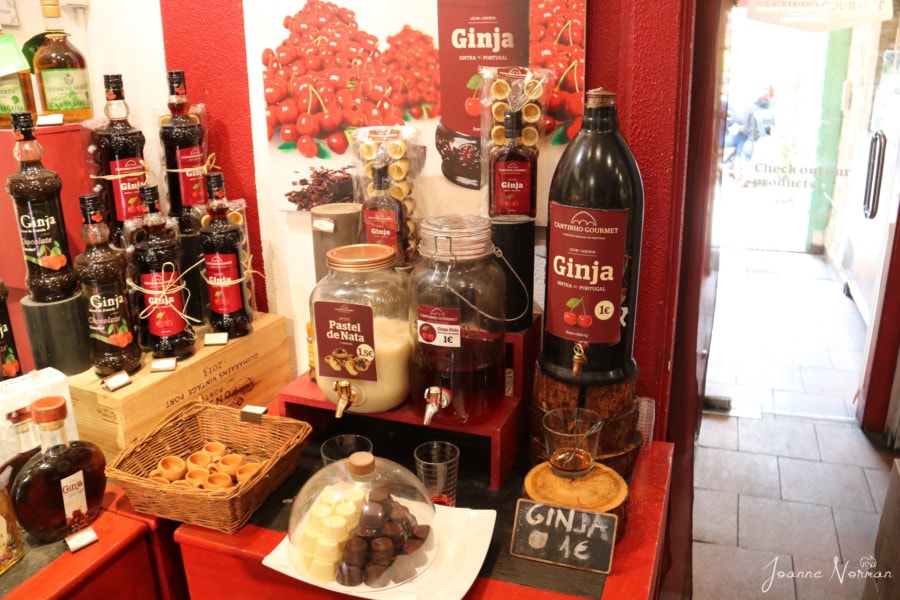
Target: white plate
{"points": [[464, 538]]}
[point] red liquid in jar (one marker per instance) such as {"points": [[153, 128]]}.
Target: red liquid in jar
{"points": [[473, 374]]}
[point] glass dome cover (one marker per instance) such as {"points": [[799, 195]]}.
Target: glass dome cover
{"points": [[362, 522]]}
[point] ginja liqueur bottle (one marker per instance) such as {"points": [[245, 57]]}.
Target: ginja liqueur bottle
{"points": [[49, 275], [120, 161], [102, 268], [181, 135], [9, 355], [226, 274], [596, 208], [59, 490], [61, 71], [512, 172], [384, 219], [158, 256]]}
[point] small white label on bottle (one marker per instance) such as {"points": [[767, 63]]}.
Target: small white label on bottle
{"points": [[74, 500]]}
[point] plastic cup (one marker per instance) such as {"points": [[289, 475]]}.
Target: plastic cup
{"points": [[437, 465], [572, 437], [342, 446]]}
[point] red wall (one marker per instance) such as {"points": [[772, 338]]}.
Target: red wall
{"points": [[637, 48]]}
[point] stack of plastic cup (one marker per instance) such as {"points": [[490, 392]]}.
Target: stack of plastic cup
{"points": [[646, 417]]}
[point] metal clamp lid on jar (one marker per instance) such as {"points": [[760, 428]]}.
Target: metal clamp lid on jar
{"points": [[455, 236], [360, 257]]}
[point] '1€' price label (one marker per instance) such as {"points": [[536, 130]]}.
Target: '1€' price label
{"points": [[438, 326]]}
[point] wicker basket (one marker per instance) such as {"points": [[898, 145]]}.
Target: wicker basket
{"points": [[276, 442]]}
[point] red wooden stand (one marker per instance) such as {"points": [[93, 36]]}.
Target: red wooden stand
{"points": [[507, 428]]}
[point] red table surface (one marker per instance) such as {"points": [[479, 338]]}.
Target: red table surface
{"points": [[117, 566], [230, 566]]}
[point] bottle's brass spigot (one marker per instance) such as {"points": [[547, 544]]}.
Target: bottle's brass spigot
{"points": [[436, 398], [578, 359], [347, 396]]}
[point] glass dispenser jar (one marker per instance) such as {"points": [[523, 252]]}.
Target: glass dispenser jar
{"points": [[359, 315], [364, 523], [457, 322]]}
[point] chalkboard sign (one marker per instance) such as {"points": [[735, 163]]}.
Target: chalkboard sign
{"points": [[564, 536]]}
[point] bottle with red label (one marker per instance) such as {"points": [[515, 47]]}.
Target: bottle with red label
{"points": [[221, 240], [35, 190], [158, 257], [384, 219], [181, 134], [512, 172], [59, 490], [596, 208], [114, 345], [120, 155]]}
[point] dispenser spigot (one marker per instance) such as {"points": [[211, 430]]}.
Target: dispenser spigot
{"points": [[436, 398], [347, 396], [578, 359]]}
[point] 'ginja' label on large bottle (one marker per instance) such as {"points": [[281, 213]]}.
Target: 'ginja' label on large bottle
{"points": [[74, 499], [586, 257]]}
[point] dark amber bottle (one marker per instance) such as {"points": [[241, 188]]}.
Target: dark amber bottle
{"points": [[9, 354], [512, 172], [60, 489], [158, 256], [49, 275], [596, 208], [114, 345], [181, 135], [120, 155], [221, 240]]}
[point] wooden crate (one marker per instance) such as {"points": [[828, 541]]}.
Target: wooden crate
{"points": [[247, 370]]}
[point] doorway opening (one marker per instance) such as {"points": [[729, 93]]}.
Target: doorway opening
{"points": [[788, 337]]}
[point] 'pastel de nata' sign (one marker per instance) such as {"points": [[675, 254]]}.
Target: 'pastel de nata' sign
{"points": [[820, 15]]}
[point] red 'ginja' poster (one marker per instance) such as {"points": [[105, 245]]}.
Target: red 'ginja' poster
{"points": [[329, 69]]}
